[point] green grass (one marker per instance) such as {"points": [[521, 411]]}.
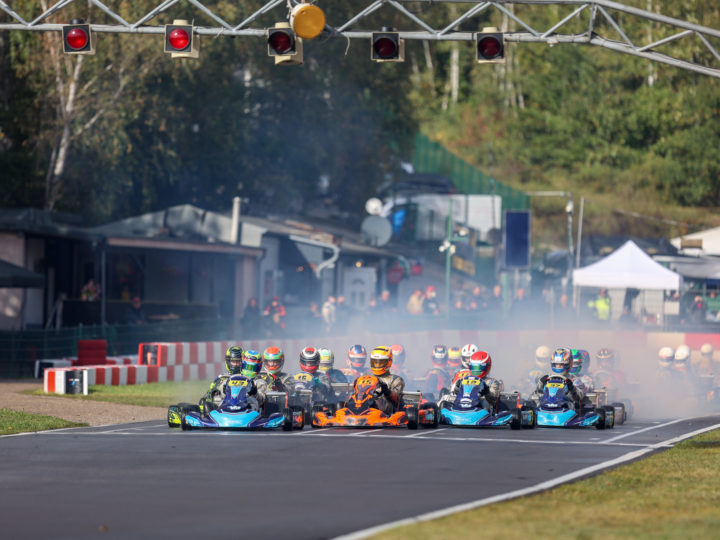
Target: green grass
{"points": [[673, 494], [148, 395], [20, 422]]}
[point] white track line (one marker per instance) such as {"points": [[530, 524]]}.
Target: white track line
{"points": [[365, 533], [645, 429]]}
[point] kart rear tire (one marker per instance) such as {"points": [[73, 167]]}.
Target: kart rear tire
{"points": [[287, 424], [601, 418], [610, 410], [533, 410], [623, 416], [436, 416], [516, 422], [413, 417]]}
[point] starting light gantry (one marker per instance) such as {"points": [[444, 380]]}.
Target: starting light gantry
{"points": [[603, 23]]}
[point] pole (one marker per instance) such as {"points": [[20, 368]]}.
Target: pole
{"points": [[569, 211], [103, 283], [448, 255], [579, 234]]}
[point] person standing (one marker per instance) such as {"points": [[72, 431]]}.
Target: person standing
{"points": [[601, 306]]}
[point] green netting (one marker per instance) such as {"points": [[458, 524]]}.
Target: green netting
{"points": [[431, 157]]}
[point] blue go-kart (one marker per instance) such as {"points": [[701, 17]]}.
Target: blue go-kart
{"points": [[237, 411], [557, 410], [470, 409]]}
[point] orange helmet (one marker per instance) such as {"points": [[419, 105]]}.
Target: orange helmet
{"points": [[454, 357], [380, 360], [398, 355]]}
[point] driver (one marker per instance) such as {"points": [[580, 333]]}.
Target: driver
{"points": [[391, 386], [561, 365], [542, 359], [356, 361], [479, 364], [309, 363], [437, 377], [237, 362], [272, 373], [398, 354], [327, 366]]}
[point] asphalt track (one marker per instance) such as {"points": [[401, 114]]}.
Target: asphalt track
{"points": [[145, 480]]}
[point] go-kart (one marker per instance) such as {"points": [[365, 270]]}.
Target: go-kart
{"points": [[470, 409], [607, 393], [361, 409], [557, 410], [304, 394], [237, 411]]}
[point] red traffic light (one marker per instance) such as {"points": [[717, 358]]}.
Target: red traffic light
{"points": [[385, 47], [280, 42], [77, 39], [490, 47], [178, 39]]}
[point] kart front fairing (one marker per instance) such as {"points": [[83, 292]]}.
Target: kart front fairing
{"points": [[237, 410], [556, 409], [469, 407]]}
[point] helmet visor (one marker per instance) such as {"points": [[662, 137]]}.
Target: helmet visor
{"points": [[379, 365], [309, 365], [273, 365]]}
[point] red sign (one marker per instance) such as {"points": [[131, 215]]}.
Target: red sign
{"points": [[395, 274]]}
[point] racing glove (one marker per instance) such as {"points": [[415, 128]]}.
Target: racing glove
{"points": [[570, 384]]}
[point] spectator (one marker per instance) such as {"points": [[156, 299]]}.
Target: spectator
{"points": [[475, 302], [385, 303], [251, 318], [697, 310], [275, 313], [495, 302], [601, 306], [342, 315], [564, 313], [135, 313], [328, 314], [90, 291], [415, 303], [519, 307], [430, 304]]}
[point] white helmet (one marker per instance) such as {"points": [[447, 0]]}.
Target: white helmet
{"points": [[467, 351], [542, 356], [682, 358], [706, 350], [665, 357]]}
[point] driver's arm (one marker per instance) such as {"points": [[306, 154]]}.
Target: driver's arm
{"points": [[396, 388]]}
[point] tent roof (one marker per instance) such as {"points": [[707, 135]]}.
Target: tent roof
{"points": [[627, 267], [12, 276]]}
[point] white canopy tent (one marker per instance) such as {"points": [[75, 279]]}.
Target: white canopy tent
{"points": [[628, 267]]}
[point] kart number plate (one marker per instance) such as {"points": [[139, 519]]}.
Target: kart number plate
{"points": [[303, 377], [555, 385], [470, 382], [237, 383]]}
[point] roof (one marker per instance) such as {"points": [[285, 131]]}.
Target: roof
{"points": [[710, 241], [13, 276], [44, 223], [627, 267]]}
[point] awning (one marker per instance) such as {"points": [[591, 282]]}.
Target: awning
{"points": [[12, 276]]}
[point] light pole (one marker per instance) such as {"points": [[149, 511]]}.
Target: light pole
{"points": [[448, 247], [569, 207]]}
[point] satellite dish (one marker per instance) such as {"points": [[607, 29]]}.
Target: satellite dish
{"points": [[374, 206], [376, 230]]}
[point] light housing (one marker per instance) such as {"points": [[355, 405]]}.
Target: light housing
{"points": [[490, 46], [386, 46], [77, 38], [307, 20], [284, 45], [180, 40]]}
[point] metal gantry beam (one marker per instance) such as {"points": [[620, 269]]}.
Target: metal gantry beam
{"points": [[611, 17]]}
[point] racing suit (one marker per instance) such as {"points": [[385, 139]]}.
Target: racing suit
{"points": [[436, 379], [216, 393], [392, 387], [336, 376], [275, 382], [321, 390], [575, 394]]}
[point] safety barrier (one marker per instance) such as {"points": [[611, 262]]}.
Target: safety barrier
{"points": [[182, 361]]}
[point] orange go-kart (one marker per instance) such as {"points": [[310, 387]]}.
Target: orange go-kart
{"points": [[361, 409]]}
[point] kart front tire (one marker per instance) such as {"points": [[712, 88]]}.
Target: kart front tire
{"points": [[610, 411], [601, 418], [516, 422], [623, 416], [532, 410], [287, 424], [413, 417], [183, 423]]}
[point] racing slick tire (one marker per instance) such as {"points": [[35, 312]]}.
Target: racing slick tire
{"points": [[287, 424], [516, 422], [531, 409], [413, 417], [611, 413], [436, 416], [622, 418], [601, 418], [183, 423]]}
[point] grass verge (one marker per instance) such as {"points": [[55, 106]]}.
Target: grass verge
{"points": [[20, 422], [672, 494], [148, 395]]}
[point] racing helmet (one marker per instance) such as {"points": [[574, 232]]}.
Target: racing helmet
{"points": [[665, 357], [273, 360], [454, 357], [309, 360], [467, 351], [398, 354], [706, 351], [380, 360], [585, 360], [577, 362], [251, 364], [327, 360], [561, 361], [439, 356], [357, 357], [233, 360], [542, 356], [682, 358], [480, 364], [605, 358]]}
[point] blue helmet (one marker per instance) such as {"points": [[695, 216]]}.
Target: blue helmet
{"points": [[561, 361], [357, 357]]}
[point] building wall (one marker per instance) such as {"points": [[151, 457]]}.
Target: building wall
{"points": [[12, 250]]}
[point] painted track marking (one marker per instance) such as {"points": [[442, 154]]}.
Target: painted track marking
{"points": [[645, 429], [365, 533]]}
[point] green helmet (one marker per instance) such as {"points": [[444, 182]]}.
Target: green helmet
{"points": [[577, 361], [251, 364], [233, 360]]}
